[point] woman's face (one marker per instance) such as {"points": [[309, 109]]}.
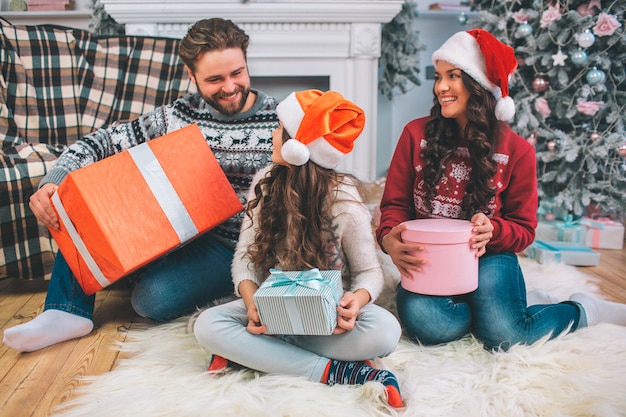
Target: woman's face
{"points": [[277, 141], [451, 92]]}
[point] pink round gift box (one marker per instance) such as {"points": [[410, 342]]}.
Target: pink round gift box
{"points": [[451, 266]]}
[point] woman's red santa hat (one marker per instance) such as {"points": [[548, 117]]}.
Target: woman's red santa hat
{"points": [[487, 60]]}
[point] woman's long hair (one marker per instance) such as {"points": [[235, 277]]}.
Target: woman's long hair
{"points": [[294, 220], [481, 132]]}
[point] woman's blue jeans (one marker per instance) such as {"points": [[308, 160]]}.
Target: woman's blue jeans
{"points": [[496, 313], [192, 276]]}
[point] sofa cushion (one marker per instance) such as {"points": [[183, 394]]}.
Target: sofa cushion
{"points": [[56, 85], [27, 247]]}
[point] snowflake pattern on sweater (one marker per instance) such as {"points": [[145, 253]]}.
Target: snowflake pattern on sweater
{"points": [[242, 144], [451, 187]]}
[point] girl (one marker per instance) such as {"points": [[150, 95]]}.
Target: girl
{"points": [[463, 162], [302, 214]]}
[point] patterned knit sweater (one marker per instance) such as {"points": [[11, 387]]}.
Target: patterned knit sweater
{"points": [[513, 210], [242, 144], [351, 249]]}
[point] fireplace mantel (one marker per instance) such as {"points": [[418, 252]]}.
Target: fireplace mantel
{"points": [[298, 38]]}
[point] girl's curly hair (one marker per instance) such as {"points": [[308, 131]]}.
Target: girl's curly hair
{"points": [[481, 132], [294, 221]]}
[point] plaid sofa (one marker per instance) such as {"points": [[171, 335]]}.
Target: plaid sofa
{"points": [[56, 85]]}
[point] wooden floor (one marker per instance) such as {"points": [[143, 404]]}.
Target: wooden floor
{"points": [[31, 384]]}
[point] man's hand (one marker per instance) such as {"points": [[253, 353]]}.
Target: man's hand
{"points": [[42, 208]]}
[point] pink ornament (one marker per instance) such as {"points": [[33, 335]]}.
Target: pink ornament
{"points": [[621, 151], [607, 25], [551, 145], [594, 136], [542, 107], [553, 14], [540, 84], [589, 108], [532, 139], [550, 217], [586, 10]]}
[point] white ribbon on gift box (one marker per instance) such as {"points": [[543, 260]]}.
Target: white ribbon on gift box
{"points": [[163, 191]]}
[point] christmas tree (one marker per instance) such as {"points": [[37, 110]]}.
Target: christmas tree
{"points": [[570, 95]]}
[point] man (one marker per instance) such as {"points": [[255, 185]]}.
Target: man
{"points": [[237, 123]]}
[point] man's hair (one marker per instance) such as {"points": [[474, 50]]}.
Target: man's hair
{"points": [[214, 34]]}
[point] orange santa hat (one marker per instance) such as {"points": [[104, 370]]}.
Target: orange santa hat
{"points": [[323, 127]]}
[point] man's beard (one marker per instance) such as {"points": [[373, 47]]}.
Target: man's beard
{"points": [[228, 109]]}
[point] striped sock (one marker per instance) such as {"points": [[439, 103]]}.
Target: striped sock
{"points": [[358, 373]]}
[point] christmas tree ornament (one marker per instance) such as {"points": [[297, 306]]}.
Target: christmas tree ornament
{"points": [[559, 58], [579, 57], [594, 136], [523, 30], [550, 217], [595, 76], [462, 19], [586, 39], [551, 145], [532, 139], [586, 10], [621, 151], [540, 84]]}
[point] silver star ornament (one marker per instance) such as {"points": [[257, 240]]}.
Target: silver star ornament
{"points": [[559, 58]]}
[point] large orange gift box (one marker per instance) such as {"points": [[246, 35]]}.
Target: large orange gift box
{"points": [[123, 212]]}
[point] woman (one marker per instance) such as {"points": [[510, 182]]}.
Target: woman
{"points": [[464, 162], [302, 214]]}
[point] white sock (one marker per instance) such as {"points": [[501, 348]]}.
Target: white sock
{"points": [[600, 311], [535, 297], [48, 328]]}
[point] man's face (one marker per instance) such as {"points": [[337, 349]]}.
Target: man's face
{"points": [[222, 80]]}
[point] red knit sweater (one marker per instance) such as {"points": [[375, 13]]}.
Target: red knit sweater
{"points": [[513, 210]]}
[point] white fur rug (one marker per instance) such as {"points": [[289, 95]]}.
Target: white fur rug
{"points": [[577, 374]]}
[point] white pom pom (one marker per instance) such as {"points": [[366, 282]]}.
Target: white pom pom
{"points": [[295, 152], [505, 109]]}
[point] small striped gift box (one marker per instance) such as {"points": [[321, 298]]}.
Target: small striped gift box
{"points": [[300, 302]]}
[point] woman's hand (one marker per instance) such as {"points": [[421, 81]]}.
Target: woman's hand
{"points": [[483, 230], [42, 208], [402, 254]]}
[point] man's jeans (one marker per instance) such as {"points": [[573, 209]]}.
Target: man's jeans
{"points": [[495, 313], [192, 276]]}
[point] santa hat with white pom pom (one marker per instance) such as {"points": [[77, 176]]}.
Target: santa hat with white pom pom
{"points": [[323, 127], [487, 60]]}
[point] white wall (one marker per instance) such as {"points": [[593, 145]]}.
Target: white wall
{"points": [[434, 28]]}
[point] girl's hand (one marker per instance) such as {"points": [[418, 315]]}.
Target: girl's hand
{"points": [[483, 230], [347, 311], [254, 323], [402, 254]]}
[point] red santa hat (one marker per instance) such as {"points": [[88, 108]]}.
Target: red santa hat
{"points": [[487, 60], [323, 127]]}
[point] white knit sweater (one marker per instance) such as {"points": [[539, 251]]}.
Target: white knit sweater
{"points": [[354, 251]]}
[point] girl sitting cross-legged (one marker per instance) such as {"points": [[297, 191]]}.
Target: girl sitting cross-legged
{"points": [[302, 214]]}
